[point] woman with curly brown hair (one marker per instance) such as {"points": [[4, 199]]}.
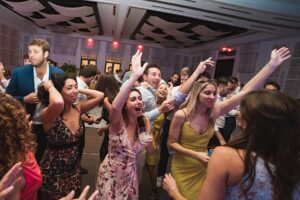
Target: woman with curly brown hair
{"points": [[18, 145]]}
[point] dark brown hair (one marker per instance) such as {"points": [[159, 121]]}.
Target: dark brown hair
{"points": [[272, 133]]}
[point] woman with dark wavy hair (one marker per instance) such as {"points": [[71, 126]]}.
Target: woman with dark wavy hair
{"points": [[110, 87], [17, 144], [60, 164]]}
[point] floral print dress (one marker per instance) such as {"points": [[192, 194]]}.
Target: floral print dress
{"points": [[117, 176], [60, 164]]}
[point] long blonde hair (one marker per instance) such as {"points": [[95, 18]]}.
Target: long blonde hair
{"points": [[193, 99]]}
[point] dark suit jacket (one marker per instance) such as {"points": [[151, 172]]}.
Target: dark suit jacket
{"points": [[22, 83]]}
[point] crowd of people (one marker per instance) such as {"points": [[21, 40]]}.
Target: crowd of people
{"points": [[224, 140]]}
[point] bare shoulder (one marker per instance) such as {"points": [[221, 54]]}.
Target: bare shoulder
{"points": [[225, 153], [180, 115]]}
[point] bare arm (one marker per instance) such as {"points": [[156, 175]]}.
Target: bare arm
{"points": [[186, 87], [170, 186], [107, 104], [174, 135], [220, 137], [121, 98], [55, 107], [150, 147], [277, 57], [94, 98], [214, 186]]}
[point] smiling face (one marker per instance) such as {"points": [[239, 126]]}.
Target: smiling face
{"points": [[37, 56], [134, 104], [153, 77], [208, 96], [162, 91], [70, 91]]}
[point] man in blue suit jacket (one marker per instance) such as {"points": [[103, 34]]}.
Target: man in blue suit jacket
{"points": [[24, 83]]}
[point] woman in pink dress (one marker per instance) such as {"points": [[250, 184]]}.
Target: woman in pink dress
{"points": [[117, 177]]}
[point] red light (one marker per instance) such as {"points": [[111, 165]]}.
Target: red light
{"points": [[229, 50], [115, 44], [140, 47], [90, 43], [224, 49]]}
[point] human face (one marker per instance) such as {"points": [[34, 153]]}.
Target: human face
{"points": [[183, 78], [229, 88], [70, 91], [175, 78], [134, 104], [162, 91], [208, 96], [36, 55], [271, 88], [153, 77]]}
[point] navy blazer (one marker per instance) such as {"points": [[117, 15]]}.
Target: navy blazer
{"points": [[22, 83]]}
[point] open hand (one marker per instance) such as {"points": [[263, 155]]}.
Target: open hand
{"points": [[137, 70], [203, 64], [278, 56], [9, 180]]}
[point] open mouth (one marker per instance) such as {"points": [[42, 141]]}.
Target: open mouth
{"points": [[138, 109]]}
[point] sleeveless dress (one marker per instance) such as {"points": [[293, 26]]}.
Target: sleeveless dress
{"points": [[156, 131], [33, 178], [117, 176], [261, 188], [188, 172], [60, 164]]}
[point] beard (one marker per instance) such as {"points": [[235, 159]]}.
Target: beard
{"points": [[39, 63]]}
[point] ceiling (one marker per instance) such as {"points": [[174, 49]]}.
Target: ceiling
{"points": [[170, 23]]}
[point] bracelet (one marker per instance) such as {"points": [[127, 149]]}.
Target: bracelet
{"points": [[171, 190]]}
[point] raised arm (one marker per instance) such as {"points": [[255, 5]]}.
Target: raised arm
{"points": [[55, 106], [187, 86], [121, 98], [94, 98], [277, 57]]}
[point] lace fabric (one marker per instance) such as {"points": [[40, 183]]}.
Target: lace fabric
{"points": [[261, 188]]}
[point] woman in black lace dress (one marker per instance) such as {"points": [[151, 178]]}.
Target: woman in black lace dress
{"points": [[60, 164]]}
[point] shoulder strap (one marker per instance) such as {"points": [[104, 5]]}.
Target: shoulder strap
{"points": [[184, 115]]}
